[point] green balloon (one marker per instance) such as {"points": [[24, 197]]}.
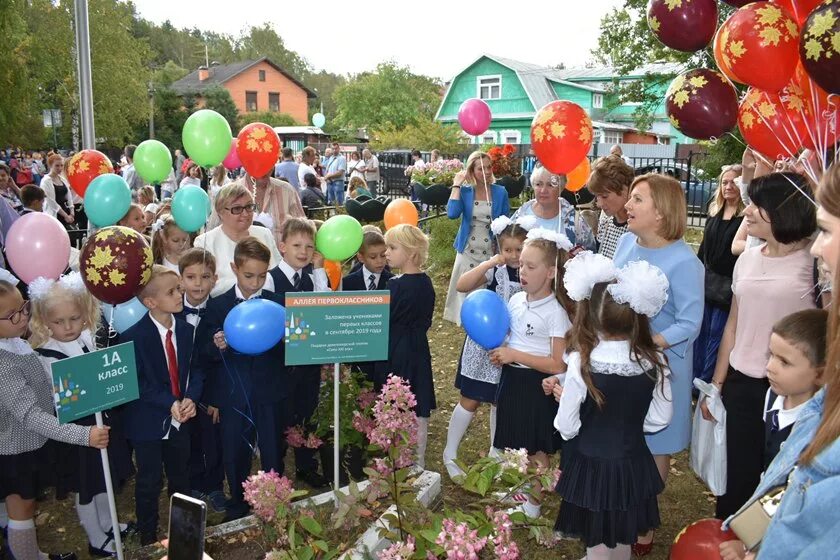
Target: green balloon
{"points": [[339, 238], [190, 208], [107, 200], [206, 136], [153, 161]]}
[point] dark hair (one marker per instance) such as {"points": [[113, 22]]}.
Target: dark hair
{"points": [[251, 248], [129, 151], [788, 202], [30, 194], [806, 330], [197, 255], [310, 180], [371, 239], [601, 314], [416, 153], [513, 230], [610, 174], [287, 153]]}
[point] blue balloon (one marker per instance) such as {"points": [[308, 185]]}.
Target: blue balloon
{"points": [[486, 318], [107, 199], [255, 325], [125, 314], [318, 119]]}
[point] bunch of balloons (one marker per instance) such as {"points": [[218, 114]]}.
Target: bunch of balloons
{"points": [[561, 135]]}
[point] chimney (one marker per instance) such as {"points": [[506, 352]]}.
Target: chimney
{"points": [[203, 73]]}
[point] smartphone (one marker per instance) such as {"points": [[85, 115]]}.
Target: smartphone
{"points": [[187, 520]]}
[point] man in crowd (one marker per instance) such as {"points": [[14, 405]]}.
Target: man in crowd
{"points": [[334, 171], [288, 169], [371, 171], [135, 182]]}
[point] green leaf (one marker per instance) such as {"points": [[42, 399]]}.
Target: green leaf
{"points": [[292, 535], [311, 525], [305, 553], [321, 545], [429, 534]]}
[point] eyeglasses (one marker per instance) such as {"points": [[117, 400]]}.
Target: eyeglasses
{"points": [[16, 316], [236, 210]]}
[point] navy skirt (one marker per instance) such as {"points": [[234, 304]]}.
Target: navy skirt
{"points": [[524, 413]]}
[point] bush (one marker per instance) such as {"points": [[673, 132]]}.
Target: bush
{"points": [[268, 117]]}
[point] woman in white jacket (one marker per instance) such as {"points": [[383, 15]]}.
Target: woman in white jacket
{"points": [[57, 188]]}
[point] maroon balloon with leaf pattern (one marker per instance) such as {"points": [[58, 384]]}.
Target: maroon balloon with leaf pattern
{"points": [[684, 25], [702, 104]]}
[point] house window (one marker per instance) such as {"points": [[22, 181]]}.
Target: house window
{"points": [[488, 137], [274, 102], [611, 137], [510, 137], [597, 101], [251, 101], [489, 87], [262, 75]]}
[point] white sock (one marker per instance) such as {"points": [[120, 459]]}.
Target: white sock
{"points": [[531, 509], [103, 511], [90, 523], [603, 552], [23, 541], [493, 451], [458, 424], [4, 515], [422, 436]]}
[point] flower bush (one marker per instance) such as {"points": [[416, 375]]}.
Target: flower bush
{"points": [[441, 172], [504, 161]]}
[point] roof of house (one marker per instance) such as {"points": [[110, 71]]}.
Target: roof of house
{"points": [[221, 73]]}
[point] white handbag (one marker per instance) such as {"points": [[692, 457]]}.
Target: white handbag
{"points": [[708, 439]]}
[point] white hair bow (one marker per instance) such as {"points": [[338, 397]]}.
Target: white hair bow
{"points": [[40, 287], [642, 286], [586, 270], [557, 238], [498, 225]]}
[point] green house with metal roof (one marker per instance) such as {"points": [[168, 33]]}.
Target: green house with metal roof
{"points": [[516, 90]]}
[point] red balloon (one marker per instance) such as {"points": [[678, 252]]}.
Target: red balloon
{"points": [[825, 111], [116, 262], [684, 25], [258, 147], [819, 46], [738, 3], [721, 61], [799, 9], [775, 124], [759, 44], [702, 104], [561, 135], [700, 541], [84, 167]]}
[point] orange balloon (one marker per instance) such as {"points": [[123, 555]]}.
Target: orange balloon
{"points": [[401, 211], [579, 176], [333, 270]]}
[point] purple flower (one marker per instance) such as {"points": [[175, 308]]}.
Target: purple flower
{"points": [[265, 491], [398, 550], [459, 542]]}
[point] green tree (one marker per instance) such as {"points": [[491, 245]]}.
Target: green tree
{"points": [[264, 41], [425, 135], [15, 74], [324, 84], [390, 96], [267, 117], [218, 99]]}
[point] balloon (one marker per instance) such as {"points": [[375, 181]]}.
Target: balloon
{"points": [[206, 136], [339, 238], [107, 200], [685, 26], [819, 46], [485, 318], [577, 178], [738, 3], [561, 135], [232, 160], [474, 116], [774, 125], [84, 167], [255, 326], [758, 43], [333, 270], [258, 147], [701, 104], [116, 262], [153, 161], [700, 540], [319, 120], [37, 245], [400, 211], [824, 112], [125, 315], [799, 9], [190, 208], [721, 61]]}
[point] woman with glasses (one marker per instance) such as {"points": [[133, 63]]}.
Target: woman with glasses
{"points": [[235, 208]]}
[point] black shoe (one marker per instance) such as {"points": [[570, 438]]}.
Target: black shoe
{"points": [[101, 552], [63, 556], [130, 529], [146, 540], [235, 511], [312, 478]]}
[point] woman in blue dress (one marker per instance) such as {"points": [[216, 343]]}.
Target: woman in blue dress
{"points": [[656, 218]]}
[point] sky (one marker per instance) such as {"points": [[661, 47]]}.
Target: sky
{"points": [[433, 37]]}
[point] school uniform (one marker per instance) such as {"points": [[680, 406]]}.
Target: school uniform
{"points": [[250, 392], [778, 423], [359, 281], [164, 375]]}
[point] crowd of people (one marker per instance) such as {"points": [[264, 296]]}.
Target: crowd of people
{"points": [[610, 324]]}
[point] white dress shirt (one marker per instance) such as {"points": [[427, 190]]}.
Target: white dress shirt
{"points": [[194, 318], [255, 295], [319, 277], [366, 274], [787, 416], [162, 332]]}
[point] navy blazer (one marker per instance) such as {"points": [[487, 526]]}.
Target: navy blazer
{"points": [[239, 380], [355, 282], [148, 419]]}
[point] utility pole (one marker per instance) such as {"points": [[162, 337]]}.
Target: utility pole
{"points": [[85, 79], [151, 109]]}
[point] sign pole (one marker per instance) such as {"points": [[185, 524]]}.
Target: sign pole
{"points": [[336, 443], [84, 73], [109, 488]]}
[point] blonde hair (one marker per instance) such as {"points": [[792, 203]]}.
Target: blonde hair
{"points": [[229, 193], [147, 191], [160, 236], [88, 306], [158, 272], [412, 239], [669, 200], [469, 177], [553, 256], [717, 203]]}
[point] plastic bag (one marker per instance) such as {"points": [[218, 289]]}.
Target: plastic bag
{"points": [[708, 440]]}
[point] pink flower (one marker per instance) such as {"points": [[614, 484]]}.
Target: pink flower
{"points": [[515, 459], [366, 399], [396, 422], [459, 542], [313, 442], [265, 491], [362, 423], [555, 477], [398, 550], [295, 436], [504, 546]]}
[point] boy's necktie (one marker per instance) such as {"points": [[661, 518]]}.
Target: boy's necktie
{"points": [[172, 363]]}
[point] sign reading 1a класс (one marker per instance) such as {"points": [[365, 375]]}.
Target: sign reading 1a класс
{"points": [[333, 327], [94, 382]]}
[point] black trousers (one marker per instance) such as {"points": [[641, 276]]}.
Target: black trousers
{"points": [[207, 473], [743, 398], [305, 385], [153, 457]]}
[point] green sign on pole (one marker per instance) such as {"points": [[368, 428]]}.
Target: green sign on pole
{"points": [[333, 327], [94, 382]]}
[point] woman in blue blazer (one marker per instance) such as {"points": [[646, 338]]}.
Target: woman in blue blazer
{"points": [[477, 200]]}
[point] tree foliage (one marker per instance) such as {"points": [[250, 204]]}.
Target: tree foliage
{"points": [[425, 135], [270, 118], [218, 99]]}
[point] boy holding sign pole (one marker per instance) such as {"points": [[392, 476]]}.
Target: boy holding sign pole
{"points": [[168, 393]]}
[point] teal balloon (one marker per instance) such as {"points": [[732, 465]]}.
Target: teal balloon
{"points": [[318, 119], [153, 161], [339, 238], [206, 136], [190, 208], [107, 200]]}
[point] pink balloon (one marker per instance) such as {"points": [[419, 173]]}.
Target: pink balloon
{"points": [[232, 159], [474, 116], [37, 245]]}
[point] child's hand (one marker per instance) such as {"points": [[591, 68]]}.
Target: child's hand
{"points": [[219, 340], [497, 260], [187, 409], [732, 550], [213, 412], [98, 437], [548, 384], [557, 391], [175, 411], [501, 356], [317, 260]]}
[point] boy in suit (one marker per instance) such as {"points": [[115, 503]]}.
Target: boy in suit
{"points": [[169, 389], [207, 473], [250, 391], [293, 274], [372, 274]]}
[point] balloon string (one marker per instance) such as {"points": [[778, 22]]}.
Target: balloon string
{"points": [[769, 127], [253, 447]]}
